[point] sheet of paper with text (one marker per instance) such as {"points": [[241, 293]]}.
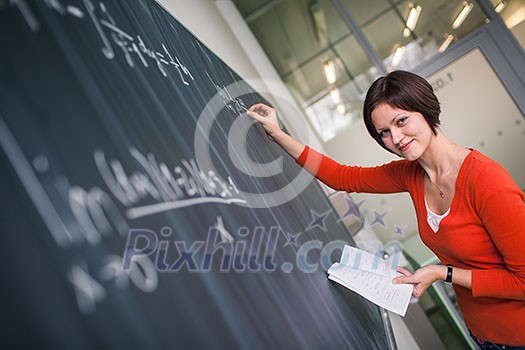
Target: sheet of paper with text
{"points": [[371, 277]]}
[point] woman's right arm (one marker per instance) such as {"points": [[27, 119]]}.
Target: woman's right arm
{"points": [[381, 179], [267, 117]]}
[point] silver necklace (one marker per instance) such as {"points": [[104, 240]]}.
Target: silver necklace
{"points": [[441, 192]]}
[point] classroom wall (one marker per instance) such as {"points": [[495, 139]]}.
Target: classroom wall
{"points": [[519, 33]]}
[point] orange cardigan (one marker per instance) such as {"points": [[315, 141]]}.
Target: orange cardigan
{"points": [[484, 232]]}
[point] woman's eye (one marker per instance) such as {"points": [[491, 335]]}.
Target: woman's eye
{"points": [[401, 121], [383, 133]]}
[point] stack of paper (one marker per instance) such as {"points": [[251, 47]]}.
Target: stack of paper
{"points": [[371, 277]]}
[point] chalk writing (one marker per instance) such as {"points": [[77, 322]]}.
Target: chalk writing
{"points": [[133, 47], [88, 291], [88, 287], [89, 215], [181, 186], [234, 104]]}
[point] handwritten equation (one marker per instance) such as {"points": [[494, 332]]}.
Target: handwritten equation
{"points": [[76, 215], [132, 47], [232, 103]]}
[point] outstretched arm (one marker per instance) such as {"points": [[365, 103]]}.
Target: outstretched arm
{"points": [[388, 178], [267, 117]]}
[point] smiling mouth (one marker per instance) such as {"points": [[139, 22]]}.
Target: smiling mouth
{"points": [[405, 146]]}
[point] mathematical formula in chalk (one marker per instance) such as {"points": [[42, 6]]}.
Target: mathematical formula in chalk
{"points": [[131, 46]]}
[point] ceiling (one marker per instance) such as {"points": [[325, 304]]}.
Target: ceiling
{"points": [[299, 35]]}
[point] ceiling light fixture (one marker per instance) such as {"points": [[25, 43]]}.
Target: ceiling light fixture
{"points": [[448, 40], [335, 95], [398, 55], [500, 6], [329, 71], [413, 16], [467, 7]]}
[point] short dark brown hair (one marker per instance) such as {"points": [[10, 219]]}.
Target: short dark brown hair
{"points": [[403, 90]]}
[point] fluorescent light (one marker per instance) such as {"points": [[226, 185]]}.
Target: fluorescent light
{"points": [[413, 16], [467, 7], [341, 108], [444, 45], [398, 55], [335, 95], [500, 6], [329, 71]]}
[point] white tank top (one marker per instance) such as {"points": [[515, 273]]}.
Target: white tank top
{"points": [[434, 219]]}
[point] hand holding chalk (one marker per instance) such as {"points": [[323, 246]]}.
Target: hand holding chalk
{"points": [[267, 117]]}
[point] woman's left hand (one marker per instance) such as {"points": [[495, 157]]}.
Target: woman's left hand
{"points": [[421, 279]]}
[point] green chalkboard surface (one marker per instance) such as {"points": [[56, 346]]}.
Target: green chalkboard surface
{"points": [[141, 208]]}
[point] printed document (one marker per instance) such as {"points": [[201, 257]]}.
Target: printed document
{"points": [[371, 277]]}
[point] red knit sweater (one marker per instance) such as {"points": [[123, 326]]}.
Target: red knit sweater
{"points": [[484, 232]]}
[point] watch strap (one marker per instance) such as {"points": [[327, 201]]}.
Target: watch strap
{"points": [[448, 280]]}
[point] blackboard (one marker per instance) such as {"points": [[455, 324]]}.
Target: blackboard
{"points": [[116, 233]]}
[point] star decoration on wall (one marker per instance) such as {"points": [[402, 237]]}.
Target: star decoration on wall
{"points": [[400, 231], [360, 203], [291, 239], [351, 209], [379, 218], [318, 220]]}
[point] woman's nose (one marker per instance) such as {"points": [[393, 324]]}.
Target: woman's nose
{"points": [[397, 136]]}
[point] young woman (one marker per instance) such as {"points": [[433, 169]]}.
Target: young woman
{"points": [[470, 212]]}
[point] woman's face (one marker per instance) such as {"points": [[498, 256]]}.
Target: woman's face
{"points": [[405, 133]]}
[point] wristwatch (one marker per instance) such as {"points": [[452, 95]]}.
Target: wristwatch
{"points": [[448, 280]]}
